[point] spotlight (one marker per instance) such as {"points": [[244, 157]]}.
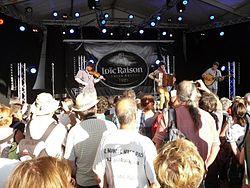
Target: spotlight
{"points": [[164, 33], [128, 34], [103, 22], [28, 10], [157, 62], [64, 32], [223, 68], [130, 16], [65, 16], [180, 18], [171, 35], [104, 30], [141, 31], [185, 2], [22, 28], [111, 33], [32, 70], [152, 23], [91, 61], [35, 30], [169, 20], [77, 14], [1, 21], [222, 33], [211, 17], [106, 15], [202, 34], [71, 31], [158, 18], [180, 7], [55, 14]]}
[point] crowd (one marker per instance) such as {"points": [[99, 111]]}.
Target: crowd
{"points": [[123, 141]]}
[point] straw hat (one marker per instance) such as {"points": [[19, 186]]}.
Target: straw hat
{"points": [[85, 101], [44, 104]]}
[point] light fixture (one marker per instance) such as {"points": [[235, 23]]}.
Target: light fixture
{"points": [[141, 31], [223, 68], [65, 16], [185, 2], [158, 18], [157, 62], [164, 33], [22, 28], [128, 34], [111, 33], [106, 15], [104, 30], [103, 22], [180, 18], [152, 24], [35, 30], [55, 13], [211, 17], [130, 16], [1, 21], [222, 33], [171, 35], [77, 14], [28, 10], [92, 4], [31, 70], [71, 31]]}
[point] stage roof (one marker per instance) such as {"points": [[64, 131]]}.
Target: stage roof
{"points": [[195, 16]]}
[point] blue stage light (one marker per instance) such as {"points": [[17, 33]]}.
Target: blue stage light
{"points": [[55, 13], [164, 33], [211, 17], [185, 2], [152, 24], [103, 22], [77, 14], [158, 18], [222, 33], [106, 15], [22, 28], [131, 16], [180, 18]]}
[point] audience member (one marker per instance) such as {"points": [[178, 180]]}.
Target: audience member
{"points": [[43, 109], [43, 172], [83, 140], [179, 165], [125, 157], [196, 124]]}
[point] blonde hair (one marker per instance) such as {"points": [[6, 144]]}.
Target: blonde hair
{"points": [[41, 172], [5, 116], [179, 165]]}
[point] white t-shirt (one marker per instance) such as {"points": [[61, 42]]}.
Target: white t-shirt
{"points": [[235, 134], [127, 159], [5, 132]]}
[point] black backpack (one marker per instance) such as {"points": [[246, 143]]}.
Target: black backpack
{"points": [[173, 131], [28, 145]]}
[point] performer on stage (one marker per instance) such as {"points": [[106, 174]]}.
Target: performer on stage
{"points": [[87, 80], [158, 76], [212, 76]]}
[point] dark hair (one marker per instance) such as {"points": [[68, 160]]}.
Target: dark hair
{"points": [[161, 63], [216, 63], [147, 102], [239, 111]]}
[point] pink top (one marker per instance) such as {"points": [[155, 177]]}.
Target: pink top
{"points": [[203, 138]]}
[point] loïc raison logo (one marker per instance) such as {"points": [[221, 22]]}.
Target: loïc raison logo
{"points": [[123, 70]]}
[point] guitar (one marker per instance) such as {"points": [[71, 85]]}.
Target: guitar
{"points": [[209, 79]]}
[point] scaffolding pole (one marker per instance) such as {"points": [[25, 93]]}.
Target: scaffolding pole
{"points": [[231, 80], [22, 88]]}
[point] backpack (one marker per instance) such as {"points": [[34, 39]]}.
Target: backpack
{"points": [[9, 151], [28, 144], [173, 131]]}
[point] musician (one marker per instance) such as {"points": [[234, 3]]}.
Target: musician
{"points": [[163, 90], [87, 80], [216, 77]]}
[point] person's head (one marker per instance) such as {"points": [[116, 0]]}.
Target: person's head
{"points": [[226, 103], [208, 102], [44, 104], [85, 105], [162, 65], [129, 93], [179, 165], [187, 92], [247, 100], [215, 65], [126, 110], [43, 172], [90, 67], [102, 105], [147, 102], [5, 116], [238, 111]]}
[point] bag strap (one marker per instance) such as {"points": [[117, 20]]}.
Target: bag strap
{"points": [[48, 131], [8, 138]]}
